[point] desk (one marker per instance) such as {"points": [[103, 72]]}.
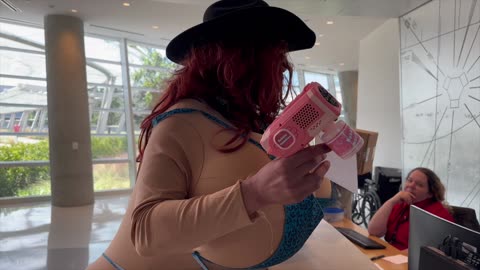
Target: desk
{"points": [[327, 249], [389, 251]]}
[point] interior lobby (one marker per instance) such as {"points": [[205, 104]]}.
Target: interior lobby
{"points": [[78, 77]]}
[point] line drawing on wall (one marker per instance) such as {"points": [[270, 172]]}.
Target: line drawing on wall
{"points": [[440, 95]]}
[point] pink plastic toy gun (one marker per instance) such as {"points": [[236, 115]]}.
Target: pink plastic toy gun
{"points": [[312, 112]]}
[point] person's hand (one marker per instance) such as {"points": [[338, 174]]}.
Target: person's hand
{"points": [[286, 180], [403, 196]]}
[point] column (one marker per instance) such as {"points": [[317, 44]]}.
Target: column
{"points": [[349, 85], [68, 116]]}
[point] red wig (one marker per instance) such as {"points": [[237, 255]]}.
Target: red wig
{"points": [[242, 82]]}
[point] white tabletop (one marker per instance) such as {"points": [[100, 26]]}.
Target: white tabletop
{"points": [[327, 249]]}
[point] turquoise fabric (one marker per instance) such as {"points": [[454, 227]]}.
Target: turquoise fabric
{"points": [[116, 266]]}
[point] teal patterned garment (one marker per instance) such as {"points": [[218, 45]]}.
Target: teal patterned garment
{"points": [[300, 218]]}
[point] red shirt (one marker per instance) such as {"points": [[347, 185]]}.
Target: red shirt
{"points": [[398, 222]]}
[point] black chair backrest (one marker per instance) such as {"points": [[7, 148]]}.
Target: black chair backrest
{"points": [[389, 181], [361, 180], [466, 217]]}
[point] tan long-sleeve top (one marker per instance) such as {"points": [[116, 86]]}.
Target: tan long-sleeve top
{"points": [[188, 197]]}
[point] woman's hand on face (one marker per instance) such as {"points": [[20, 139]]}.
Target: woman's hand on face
{"points": [[403, 196], [286, 180]]}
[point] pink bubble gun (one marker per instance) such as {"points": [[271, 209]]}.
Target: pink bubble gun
{"points": [[310, 113]]}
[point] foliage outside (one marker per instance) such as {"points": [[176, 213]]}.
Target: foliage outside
{"points": [[13, 179], [34, 181], [149, 78]]}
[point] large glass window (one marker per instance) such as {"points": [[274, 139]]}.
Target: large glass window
{"points": [[329, 82], [295, 86], [149, 68], [108, 116], [320, 78], [116, 107], [24, 150]]}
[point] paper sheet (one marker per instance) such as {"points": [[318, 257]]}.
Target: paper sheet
{"points": [[397, 259], [343, 172]]}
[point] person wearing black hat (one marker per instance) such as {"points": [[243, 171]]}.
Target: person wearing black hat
{"points": [[207, 195]]}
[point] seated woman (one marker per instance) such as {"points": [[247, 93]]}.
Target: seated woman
{"points": [[423, 189]]}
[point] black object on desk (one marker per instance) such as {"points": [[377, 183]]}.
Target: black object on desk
{"points": [[360, 239], [377, 257]]}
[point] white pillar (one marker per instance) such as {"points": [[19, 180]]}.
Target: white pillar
{"points": [[68, 121], [349, 85]]}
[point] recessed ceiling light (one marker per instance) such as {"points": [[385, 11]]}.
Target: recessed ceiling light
{"points": [[342, 64], [317, 43], [320, 35], [329, 22], [126, 4], [74, 10], [155, 26], [307, 57]]}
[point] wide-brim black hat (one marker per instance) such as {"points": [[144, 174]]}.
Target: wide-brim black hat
{"points": [[242, 20]]}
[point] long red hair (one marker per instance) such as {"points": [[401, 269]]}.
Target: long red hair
{"points": [[242, 82]]}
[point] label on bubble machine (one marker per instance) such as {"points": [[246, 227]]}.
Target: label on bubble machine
{"points": [[345, 142], [284, 139]]}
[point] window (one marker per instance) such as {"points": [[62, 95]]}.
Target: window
{"points": [[329, 82], [320, 78], [295, 86], [24, 150], [148, 68], [118, 103], [108, 116]]}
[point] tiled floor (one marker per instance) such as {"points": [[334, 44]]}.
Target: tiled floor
{"points": [[39, 236]]}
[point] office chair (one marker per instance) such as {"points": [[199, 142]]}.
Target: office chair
{"points": [[465, 217]]}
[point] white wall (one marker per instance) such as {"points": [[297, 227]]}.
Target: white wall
{"points": [[379, 92]]}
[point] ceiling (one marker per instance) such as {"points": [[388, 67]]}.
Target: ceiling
{"points": [[338, 43]]}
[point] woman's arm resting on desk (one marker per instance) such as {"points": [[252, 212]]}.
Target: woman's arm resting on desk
{"points": [[378, 224]]}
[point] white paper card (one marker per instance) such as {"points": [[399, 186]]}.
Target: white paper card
{"points": [[343, 172], [397, 259]]}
